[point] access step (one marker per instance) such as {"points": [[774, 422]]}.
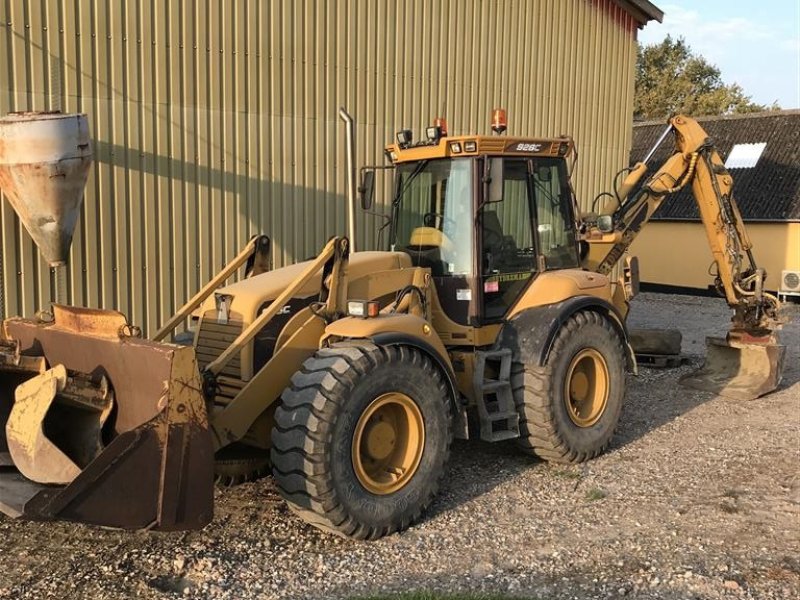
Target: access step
{"points": [[499, 419]]}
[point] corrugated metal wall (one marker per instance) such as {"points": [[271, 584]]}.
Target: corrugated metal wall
{"points": [[216, 119]]}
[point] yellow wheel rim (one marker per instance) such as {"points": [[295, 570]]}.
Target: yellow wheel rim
{"points": [[388, 443], [586, 387]]}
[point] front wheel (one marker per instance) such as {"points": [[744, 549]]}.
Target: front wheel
{"points": [[570, 408], [361, 438]]}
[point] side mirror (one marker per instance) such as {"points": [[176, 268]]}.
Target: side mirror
{"points": [[605, 223], [495, 180], [366, 191]]}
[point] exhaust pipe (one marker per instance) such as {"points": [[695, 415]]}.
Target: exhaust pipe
{"points": [[351, 177]]}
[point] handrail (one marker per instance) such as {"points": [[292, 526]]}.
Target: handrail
{"points": [[216, 366], [206, 291]]}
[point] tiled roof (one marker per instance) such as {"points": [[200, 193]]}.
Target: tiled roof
{"points": [[770, 191]]}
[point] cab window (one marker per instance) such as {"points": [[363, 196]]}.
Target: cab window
{"points": [[434, 222], [554, 220]]}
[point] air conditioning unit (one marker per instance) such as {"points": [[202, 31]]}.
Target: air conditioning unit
{"points": [[790, 283]]}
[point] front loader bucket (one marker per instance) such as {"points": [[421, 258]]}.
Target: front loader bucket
{"points": [[100, 428], [737, 369]]}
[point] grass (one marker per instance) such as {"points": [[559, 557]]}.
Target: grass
{"points": [[594, 494], [566, 473]]}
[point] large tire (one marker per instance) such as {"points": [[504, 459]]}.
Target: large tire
{"points": [[322, 476], [589, 352]]}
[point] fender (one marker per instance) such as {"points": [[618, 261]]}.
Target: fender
{"points": [[531, 333], [395, 330]]}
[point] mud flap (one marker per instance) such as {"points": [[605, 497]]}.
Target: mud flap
{"points": [[739, 370]]}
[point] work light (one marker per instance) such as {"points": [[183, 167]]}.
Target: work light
{"points": [[404, 138]]}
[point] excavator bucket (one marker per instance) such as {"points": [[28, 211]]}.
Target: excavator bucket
{"points": [[738, 369], [100, 427]]}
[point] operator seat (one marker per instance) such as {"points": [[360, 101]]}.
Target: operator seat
{"points": [[497, 246], [425, 249]]}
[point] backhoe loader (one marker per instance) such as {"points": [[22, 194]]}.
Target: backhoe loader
{"points": [[492, 313]]}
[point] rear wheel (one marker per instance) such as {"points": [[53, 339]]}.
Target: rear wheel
{"points": [[361, 438], [570, 407], [239, 463]]}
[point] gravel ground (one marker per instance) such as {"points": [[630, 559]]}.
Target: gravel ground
{"points": [[699, 497]]}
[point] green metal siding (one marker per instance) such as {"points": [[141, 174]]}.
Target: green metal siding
{"points": [[215, 120]]}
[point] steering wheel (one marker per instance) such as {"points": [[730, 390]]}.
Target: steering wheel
{"points": [[430, 219]]}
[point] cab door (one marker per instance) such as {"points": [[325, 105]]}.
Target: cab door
{"points": [[508, 252], [526, 226]]}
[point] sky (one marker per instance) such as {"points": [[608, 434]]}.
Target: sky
{"points": [[755, 43]]}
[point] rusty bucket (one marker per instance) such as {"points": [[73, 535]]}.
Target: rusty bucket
{"points": [[101, 427]]}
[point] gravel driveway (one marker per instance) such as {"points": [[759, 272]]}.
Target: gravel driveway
{"points": [[699, 497]]}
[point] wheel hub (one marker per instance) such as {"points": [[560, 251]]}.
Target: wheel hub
{"points": [[388, 443], [586, 387]]}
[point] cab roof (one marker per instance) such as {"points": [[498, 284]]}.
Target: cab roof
{"points": [[477, 145]]}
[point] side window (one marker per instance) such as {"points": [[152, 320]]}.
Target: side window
{"points": [[508, 254], [553, 215]]}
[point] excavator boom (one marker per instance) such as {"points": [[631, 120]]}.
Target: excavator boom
{"points": [[748, 362]]}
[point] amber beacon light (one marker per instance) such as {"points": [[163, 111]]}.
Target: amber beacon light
{"points": [[499, 122]]}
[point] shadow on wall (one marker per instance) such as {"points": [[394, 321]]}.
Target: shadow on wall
{"points": [[261, 204], [155, 228], [174, 224]]}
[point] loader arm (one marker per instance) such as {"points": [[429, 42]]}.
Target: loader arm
{"points": [[696, 162]]}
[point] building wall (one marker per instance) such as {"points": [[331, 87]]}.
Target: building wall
{"points": [[677, 253], [214, 120]]}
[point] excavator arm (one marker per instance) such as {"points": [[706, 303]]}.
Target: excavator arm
{"points": [[747, 363], [695, 162]]}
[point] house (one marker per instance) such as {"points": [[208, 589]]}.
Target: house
{"points": [[762, 154]]}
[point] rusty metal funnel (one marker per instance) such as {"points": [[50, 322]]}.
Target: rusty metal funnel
{"points": [[44, 164], [738, 369]]}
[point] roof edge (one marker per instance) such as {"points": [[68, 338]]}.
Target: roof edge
{"points": [[765, 114], [643, 11]]}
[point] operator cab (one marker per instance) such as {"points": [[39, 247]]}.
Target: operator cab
{"points": [[485, 214]]}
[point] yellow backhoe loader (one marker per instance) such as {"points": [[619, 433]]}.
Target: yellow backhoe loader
{"points": [[491, 314]]}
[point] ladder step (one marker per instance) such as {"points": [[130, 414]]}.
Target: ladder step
{"points": [[493, 385], [502, 416], [499, 418], [500, 436], [497, 354]]}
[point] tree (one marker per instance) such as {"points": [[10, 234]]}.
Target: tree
{"points": [[671, 78]]}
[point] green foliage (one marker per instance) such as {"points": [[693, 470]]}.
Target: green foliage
{"points": [[595, 494], [671, 79]]}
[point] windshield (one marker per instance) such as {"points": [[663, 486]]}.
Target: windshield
{"points": [[433, 214]]}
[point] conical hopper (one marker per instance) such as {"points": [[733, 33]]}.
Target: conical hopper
{"points": [[44, 164]]}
